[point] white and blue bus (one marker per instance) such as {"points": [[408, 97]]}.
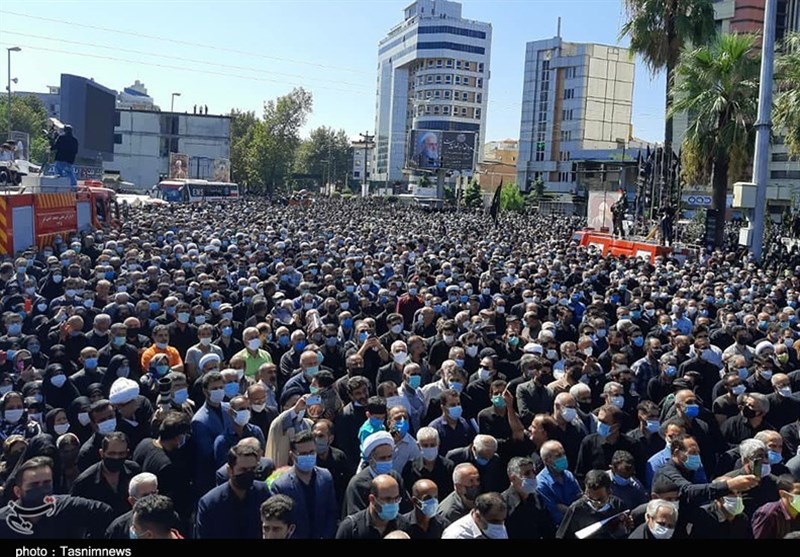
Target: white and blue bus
{"points": [[196, 191]]}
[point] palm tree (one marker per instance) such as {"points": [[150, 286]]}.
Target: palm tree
{"points": [[787, 101], [659, 30], [718, 86]]}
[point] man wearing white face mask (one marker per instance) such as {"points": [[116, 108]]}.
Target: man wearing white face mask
{"points": [[485, 521], [527, 518], [239, 411], [254, 355], [393, 371], [565, 411], [660, 520], [722, 519], [755, 460]]}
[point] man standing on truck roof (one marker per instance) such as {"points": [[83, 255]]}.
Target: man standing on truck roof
{"points": [[66, 148]]}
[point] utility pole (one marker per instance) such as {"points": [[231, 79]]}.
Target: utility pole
{"points": [[367, 139], [10, 50], [763, 127]]}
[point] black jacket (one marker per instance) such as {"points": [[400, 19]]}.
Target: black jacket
{"points": [[92, 485], [66, 518]]}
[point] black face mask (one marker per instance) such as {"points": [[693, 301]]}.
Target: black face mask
{"points": [[748, 412], [472, 493], [585, 407], [244, 481], [113, 464], [34, 497]]}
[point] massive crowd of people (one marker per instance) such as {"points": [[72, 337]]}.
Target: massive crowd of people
{"points": [[358, 370]]}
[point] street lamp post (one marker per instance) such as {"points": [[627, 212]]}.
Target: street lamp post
{"points": [[172, 104], [10, 50]]}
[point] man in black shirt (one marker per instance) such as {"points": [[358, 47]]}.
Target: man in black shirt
{"points": [[527, 518], [65, 146], [332, 459], [37, 514], [597, 449], [379, 518], [422, 523], [596, 504], [107, 481], [168, 457], [430, 465]]}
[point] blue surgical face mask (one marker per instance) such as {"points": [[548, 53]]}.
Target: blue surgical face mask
{"points": [[389, 511], [283, 340], [429, 507], [414, 381], [382, 466], [401, 426], [775, 457], [603, 429], [376, 423], [457, 386], [693, 462], [561, 463], [180, 396], [653, 425], [454, 412], [692, 410], [231, 389], [306, 462]]}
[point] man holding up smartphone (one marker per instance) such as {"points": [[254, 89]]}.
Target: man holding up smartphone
{"points": [[754, 461]]}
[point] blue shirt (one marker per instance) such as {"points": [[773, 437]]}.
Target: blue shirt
{"points": [[659, 459], [452, 438], [553, 492]]}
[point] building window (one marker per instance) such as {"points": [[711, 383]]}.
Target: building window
{"points": [[117, 137], [566, 114], [430, 63], [358, 160], [446, 110], [570, 72], [780, 157], [438, 79], [438, 63], [542, 116], [449, 63], [429, 79], [458, 80], [785, 174], [463, 110], [479, 98], [479, 83], [544, 96], [480, 67], [465, 96], [356, 174], [539, 155], [566, 135], [116, 115], [458, 64], [437, 94], [447, 94], [448, 79], [466, 81], [427, 94], [435, 109], [563, 156], [477, 113], [569, 93]]}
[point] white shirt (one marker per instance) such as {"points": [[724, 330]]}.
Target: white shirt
{"points": [[463, 529]]}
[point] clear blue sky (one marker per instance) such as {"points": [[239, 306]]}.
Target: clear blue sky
{"points": [[231, 53]]}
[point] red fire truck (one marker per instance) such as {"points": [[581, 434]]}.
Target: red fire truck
{"points": [[43, 207]]}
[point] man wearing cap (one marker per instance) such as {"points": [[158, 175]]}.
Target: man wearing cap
{"points": [[378, 450], [134, 411]]}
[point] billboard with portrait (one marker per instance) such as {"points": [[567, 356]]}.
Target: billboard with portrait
{"points": [[424, 149], [222, 170], [432, 149], [178, 166]]}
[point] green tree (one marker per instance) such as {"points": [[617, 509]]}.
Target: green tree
{"points": [[511, 198], [718, 87], [473, 197], [659, 30], [787, 101], [325, 153], [276, 139], [243, 127], [28, 115]]}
